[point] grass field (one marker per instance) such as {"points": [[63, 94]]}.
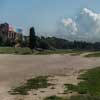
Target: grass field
{"points": [[24, 51], [11, 50], [84, 97], [78, 97], [91, 83], [87, 89], [95, 54], [89, 86], [73, 52]]}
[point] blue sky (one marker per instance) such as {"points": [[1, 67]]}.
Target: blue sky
{"points": [[44, 15]]}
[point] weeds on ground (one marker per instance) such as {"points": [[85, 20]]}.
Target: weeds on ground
{"points": [[89, 85], [54, 98], [34, 83], [87, 89]]}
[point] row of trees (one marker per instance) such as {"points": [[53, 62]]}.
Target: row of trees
{"points": [[57, 43], [35, 42]]}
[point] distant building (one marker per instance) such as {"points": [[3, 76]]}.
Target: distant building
{"points": [[4, 29], [11, 33], [7, 32]]}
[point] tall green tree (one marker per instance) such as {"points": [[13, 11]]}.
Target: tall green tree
{"points": [[32, 38]]}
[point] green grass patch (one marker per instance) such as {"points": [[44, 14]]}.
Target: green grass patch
{"points": [[94, 54], [25, 51], [84, 97], [45, 52], [78, 97], [34, 83], [88, 88], [11, 50], [90, 84], [70, 88], [54, 98]]}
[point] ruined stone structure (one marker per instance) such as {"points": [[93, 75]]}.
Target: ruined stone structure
{"points": [[9, 33]]}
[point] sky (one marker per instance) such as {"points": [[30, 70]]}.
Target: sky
{"points": [[47, 15]]}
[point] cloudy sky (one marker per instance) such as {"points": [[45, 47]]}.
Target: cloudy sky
{"points": [[69, 19], [84, 26]]}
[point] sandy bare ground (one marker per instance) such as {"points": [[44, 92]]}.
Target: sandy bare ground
{"points": [[15, 69]]}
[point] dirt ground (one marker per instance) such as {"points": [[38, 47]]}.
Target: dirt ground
{"points": [[15, 69]]}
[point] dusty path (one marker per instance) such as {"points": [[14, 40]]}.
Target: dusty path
{"points": [[16, 68]]}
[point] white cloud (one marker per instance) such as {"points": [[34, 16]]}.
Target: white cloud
{"points": [[70, 25], [86, 26]]}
